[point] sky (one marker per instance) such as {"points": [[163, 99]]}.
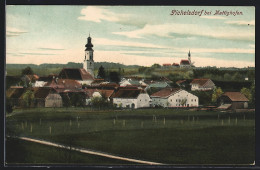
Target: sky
{"points": [[131, 35]]}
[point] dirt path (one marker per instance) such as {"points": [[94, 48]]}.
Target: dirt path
{"points": [[89, 151]]}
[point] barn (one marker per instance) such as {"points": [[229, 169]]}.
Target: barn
{"points": [[233, 100]]}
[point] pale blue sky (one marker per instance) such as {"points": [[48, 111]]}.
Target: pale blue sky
{"points": [[140, 35]]}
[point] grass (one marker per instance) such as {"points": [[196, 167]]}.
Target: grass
{"points": [[161, 135], [19, 152]]}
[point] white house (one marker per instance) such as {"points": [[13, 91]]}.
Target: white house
{"points": [[131, 98], [202, 84], [130, 82], [174, 97], [91, 93]]}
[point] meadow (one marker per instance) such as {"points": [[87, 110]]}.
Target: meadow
{"points": [[169, 136]]}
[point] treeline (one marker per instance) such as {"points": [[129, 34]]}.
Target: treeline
{"points": [[46, 69]]}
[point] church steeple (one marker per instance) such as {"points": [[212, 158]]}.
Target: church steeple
{"points": [[88, 63], [189, 58], [89, 45]]}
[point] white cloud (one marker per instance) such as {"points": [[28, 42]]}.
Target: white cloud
{"points": [[96, 14], [11, 31], [213, 17], [252, 22], [164, 30]]}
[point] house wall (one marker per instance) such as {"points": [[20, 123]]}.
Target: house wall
{"points": [[209, 85], [143, 100], [39, 83], [53, 100], [87, 82], [176, 99], [239, 105], [125, 102]]}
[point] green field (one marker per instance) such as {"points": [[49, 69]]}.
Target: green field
{"points": [[167, 136]]}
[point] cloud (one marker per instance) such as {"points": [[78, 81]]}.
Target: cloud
{"points": [[213, 17], [50, 49], [164, 30], [11, 32], [252, 45], [98, 14], [37, 54], [251, 23]]}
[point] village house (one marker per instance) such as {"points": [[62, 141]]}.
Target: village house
{"points": [[91, 93], [185, 64], [202, 84], [79, 74], [131, 98], [43, 97], [232, 100], [13, 94], [44, 80], [174, 97], [175, 65]]}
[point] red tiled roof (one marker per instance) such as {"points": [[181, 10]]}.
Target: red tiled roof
{"points": [[107, 93], [175, 64], [200, 82], [75, 74], [127, 93], [184, 62], [180, 81], [42, 92], [64, 84], [167, 64], [165, 92], [236, 96]]}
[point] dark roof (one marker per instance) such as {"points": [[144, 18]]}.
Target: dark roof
{"points": [[185, 62], [15, 92], [75, 74], [200, 82], [127, 93], [42, 92], [236, 96], [165, 92]]}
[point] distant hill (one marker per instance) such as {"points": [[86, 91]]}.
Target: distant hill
{"points": [[46, 69]]}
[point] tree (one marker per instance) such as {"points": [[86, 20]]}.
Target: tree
{"points": [[114, 77], [27, 71], [101, 72], [217, 92], [77, 99], [247, 93], [156, 65], [28, 97]]}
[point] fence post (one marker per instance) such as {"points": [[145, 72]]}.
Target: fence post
{"points": [[229, 120], [142, 124], [114, 121], [124, 123], [236, 120], [31, 128], [164, 120], [50, 129], [222, 122]]}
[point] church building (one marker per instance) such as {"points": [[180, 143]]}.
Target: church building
{"points": [[83, 75]]}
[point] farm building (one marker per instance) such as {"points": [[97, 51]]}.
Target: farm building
{"points": [[79, 74], [233, 100], [64, 84], [131, 98], [174, 97], [202, 84], [46, 97], [14, 93]]}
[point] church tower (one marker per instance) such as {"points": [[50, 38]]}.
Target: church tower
{"points": [[189, 58], [88, 63]]}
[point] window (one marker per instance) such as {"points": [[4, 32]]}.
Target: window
{"points": [[140, 100], [176, 100], [195, 100], [171, 100], [192, 100]]}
